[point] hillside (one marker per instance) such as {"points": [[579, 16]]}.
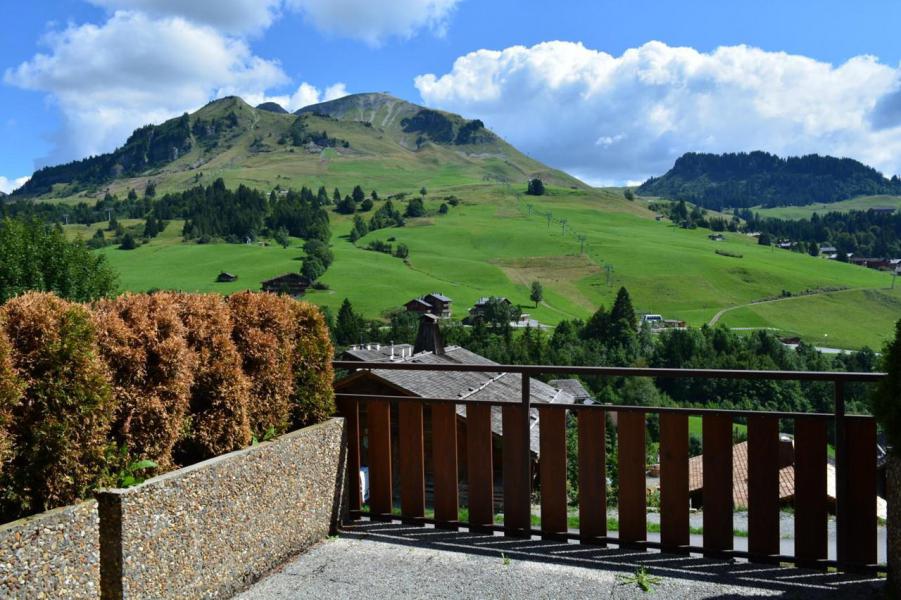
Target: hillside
{"points": [[334, 143], [743, 180]]}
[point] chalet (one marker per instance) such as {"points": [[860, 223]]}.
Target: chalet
{"points": [[786, 461], [884, 210], [433, 303], [291, 284], [469, 386], [716, 237], [226, 277], [872, 263], [478, 309]]}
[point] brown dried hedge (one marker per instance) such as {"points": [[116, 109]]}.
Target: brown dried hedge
{"points": [[10, 396], [60, 429], [220, 391], [263, 331], [314, 398], [143, 341]]}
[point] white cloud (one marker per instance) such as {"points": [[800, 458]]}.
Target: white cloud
{"points": [[628, 117], [232, 16], [305, 95], [8, 185], [373, 21], [109, 79]]}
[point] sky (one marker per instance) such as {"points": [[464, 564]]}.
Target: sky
{"points": [[612, 92]]}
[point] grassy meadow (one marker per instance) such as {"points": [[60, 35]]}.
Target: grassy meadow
{"points": [[805, 212]]}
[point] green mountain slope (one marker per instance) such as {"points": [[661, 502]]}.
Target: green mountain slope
{"points": [[336, 143], [742, 180]]}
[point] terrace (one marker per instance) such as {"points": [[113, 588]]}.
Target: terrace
{"points": [[415, 537]]}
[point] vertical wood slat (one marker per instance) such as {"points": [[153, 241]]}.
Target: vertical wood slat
{"points": [[859, 543], [552, 440], [763, 486], [632, 481], [517, 520], [444, 463], [811, 509], [716, 431], [378, 419], [479, 466], [350, 410], [674, 529], [592, 475], [412, 463]]}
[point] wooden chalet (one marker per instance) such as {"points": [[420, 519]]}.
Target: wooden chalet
{"points": [[433, 303], [291, 284], [489, 386], [225, 277]]}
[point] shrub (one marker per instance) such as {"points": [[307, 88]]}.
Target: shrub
{"points": [[263, 334], [313, 398], [60, 430], [10, 392], [887, 399], [142, 340], [220, 390]]}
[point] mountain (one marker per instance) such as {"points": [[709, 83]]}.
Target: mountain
{"points": [[370, 139], [272, 107], [742, 180]]}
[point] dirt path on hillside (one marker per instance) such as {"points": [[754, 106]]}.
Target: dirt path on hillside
{"points": [[719, 315]]}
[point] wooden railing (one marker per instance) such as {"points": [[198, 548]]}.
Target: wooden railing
{"points": [[855, 462]]}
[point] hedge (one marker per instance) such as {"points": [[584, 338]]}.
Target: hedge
{"points": [[60, 429], [143, 341], [86, 390]]}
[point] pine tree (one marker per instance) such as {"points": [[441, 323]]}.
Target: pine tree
{"points": [[349, 326], [537, 294]]}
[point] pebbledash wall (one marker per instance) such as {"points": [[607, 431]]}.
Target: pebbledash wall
{"points": [[205, 531], [55, 554]]}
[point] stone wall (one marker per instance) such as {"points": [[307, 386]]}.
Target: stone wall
{"points": [[55, 554], [209, 530]]}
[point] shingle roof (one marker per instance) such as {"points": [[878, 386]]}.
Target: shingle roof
{"points": [[740, 476], [381, 353], [441, 297], [573, 387]]}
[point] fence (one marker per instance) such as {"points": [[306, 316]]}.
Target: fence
{"points": [[855, 463]]}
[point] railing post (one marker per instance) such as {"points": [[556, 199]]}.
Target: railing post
{"points": [[841, 475]]}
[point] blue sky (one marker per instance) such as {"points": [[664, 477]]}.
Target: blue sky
{"points": [[789, 77]]}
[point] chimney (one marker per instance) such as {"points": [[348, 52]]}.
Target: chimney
{"points": [[428, 339]]}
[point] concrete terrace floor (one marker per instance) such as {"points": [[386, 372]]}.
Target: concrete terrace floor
{"points": [[392, 560]]}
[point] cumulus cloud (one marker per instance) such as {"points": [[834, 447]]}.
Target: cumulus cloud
{"points": [[305, 95], [373, 21], [108, 79], [232, 16], [8, 185], [613, 119]]}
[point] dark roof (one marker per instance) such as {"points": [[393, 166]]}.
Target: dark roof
{"points": [[484, 300], [419, 301], [292, 277], [489, 386], [438, 296]]}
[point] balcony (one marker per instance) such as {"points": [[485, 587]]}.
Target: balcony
{"points": [[430, 463]]}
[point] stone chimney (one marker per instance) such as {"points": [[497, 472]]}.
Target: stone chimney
{"points": [[428, 339]]}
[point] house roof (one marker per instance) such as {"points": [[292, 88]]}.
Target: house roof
{"points": [[484, 300], [438, 296], [488, 386], [573, 387], [739, 476], [294, 277], [378, 352], [419, 301]]}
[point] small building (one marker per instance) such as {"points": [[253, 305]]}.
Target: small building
{"points": [[716, 237], [574, 388], [884, 210], [290, 284], [828, 250], [873, 263], [225, 277], [433, 303], [478, 309]]}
